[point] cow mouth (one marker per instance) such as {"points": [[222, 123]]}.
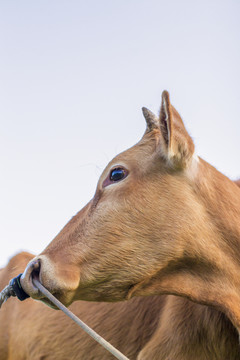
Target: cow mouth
{"points": [[43, 296], [47, 302], [131, 290]]}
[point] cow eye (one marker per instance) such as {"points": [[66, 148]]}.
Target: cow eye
{"points": [[117, 174]]}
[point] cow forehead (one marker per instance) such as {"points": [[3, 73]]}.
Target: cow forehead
{"points": [[139, 156]]}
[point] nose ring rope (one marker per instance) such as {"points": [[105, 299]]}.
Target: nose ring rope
{"points": [[9, 290]]}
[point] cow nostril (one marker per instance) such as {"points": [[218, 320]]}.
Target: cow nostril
{"points": [[31, 272], [36, 267]]}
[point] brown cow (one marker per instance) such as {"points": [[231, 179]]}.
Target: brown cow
{"points": [[162, 221]]}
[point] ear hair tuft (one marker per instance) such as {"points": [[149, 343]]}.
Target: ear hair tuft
{"points": [[165, 118]]}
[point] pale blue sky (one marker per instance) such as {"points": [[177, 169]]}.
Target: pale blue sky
{"points": [[73, 78]]}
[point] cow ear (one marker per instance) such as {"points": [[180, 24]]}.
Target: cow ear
{"points": [[176, 146]]}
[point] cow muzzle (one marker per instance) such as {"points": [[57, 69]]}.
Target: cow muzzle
{"points": [[59, 283]]}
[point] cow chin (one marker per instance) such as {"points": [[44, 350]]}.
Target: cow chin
{"points": [[65, 299]]}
